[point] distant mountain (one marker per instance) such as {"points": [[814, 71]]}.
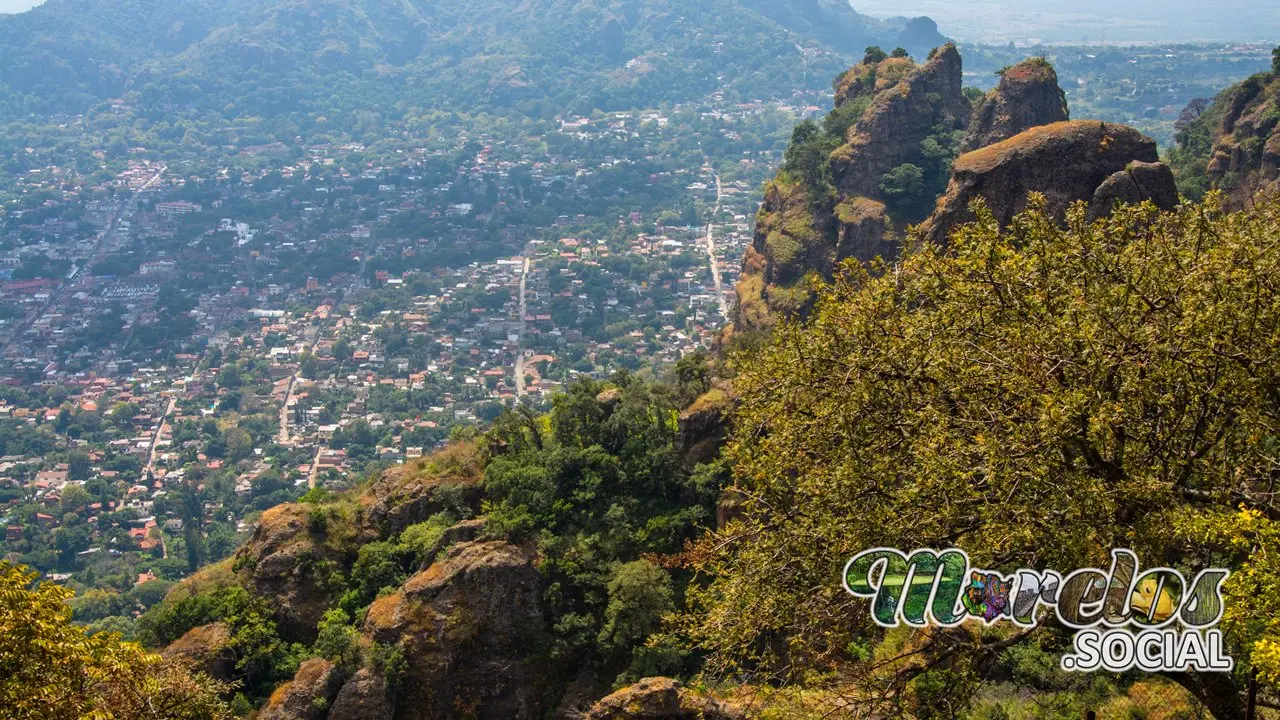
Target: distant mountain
{"points": [[263, 58]]}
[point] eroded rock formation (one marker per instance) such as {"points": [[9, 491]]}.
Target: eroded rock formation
{"points": [[661, 699], [1066, 162], [1027, 96]]}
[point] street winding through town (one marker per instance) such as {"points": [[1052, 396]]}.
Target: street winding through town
{"points": [[519, 369], [711, 254]]}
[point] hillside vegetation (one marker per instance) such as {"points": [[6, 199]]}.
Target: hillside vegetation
{"points": [[1036, 393], [245, 59], [1232, 143]]}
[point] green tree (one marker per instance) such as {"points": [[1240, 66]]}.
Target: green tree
{"points": [[874, 55], [307, 365], [124, 413], [239, 444], [78, 467], [377, 566], [149, 593], [337, 641], [640, 595], [807, 159], [904, 189], [692, 376], [50, 668], [194, 542], [69, 540], [1035, 395], [596, 485], [342, 350], [96, 604], [230, 377], [75, 498]]}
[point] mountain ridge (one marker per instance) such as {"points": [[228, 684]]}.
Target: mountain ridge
{"points": [[67, 55]]}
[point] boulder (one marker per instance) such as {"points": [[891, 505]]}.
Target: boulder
{"points": [[704, 424], [609, 399], [1066, 162], [412, 493], [465, 531], [364, 697], [206, 648], [308, 696], [660, 699], [1027, 96], [865, 230], [1138, 182], [469, 625], [285, 560]]}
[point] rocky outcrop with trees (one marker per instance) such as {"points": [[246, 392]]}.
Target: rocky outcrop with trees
{"points": [[1232, 144], [852, 186], [1065, 162]]}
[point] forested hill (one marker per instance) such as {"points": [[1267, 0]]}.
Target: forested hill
{"points": [[242, 57]]}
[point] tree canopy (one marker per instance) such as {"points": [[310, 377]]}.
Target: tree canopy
{"points": [[50, 668], [1035, 395]]}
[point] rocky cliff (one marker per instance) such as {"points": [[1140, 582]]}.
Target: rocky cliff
{"points": [[298, 549], [927, 100], [467, 627], [886, 153], [471, 626], [1233, 144], [1066, 162], [892, 117], [427, 593], [1027, 96]]}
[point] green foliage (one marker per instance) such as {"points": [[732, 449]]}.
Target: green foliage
{"points": [[96, 604], [262, 657], [418, 542], [837, 122], [1197, 130], [639, 596], [691, 377], [390, 661], [874, 56], [1251, 541], [382, 566], [338, 641], [377, 566], [316, 496], [904, 189], [50, 668], [596, 486], [1035, 394], [808, 159], [317, 521]]}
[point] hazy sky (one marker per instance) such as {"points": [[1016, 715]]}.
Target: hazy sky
{"points": [[13, 6], [1117, 20]]}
